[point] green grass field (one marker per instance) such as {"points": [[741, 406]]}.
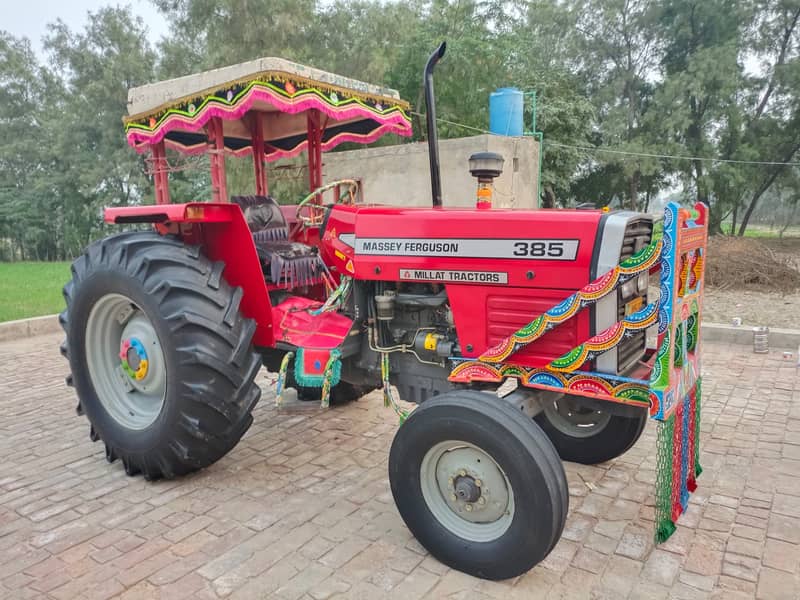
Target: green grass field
{"points": [[763, 231], [31, 289]]}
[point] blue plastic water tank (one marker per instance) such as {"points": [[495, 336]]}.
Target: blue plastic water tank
{"points": [[505, 111]]}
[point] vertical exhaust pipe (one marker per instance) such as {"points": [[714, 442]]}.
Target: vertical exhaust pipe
{"points": [[430, 118]]}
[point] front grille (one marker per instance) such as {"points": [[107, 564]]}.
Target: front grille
{"points": [[638, 234], [630, 350]]}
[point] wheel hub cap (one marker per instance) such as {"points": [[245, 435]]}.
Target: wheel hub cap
{"points": [[467, 491], [134, 358], [125, 362]]}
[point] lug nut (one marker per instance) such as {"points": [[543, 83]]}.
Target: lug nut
{"points": [[481, 500], [478, 482], [453, 497], [463, 473], [469, 507], [450, 481]]}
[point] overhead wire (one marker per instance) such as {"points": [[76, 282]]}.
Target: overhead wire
{"points": [[629, 153]]}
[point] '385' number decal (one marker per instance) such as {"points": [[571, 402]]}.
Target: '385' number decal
{"points": [[514, 248], [554, 249]]}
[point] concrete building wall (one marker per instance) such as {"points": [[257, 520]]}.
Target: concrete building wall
{"points": [[400, 174]]}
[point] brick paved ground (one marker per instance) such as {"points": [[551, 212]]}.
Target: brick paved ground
{"points": [[302, 508]]}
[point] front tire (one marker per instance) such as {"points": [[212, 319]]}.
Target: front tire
{"points": [[478, 484], [588, 435], [161, 358]]}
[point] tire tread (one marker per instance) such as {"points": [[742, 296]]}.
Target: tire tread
{"points": [[492, 561], [217, 366]]}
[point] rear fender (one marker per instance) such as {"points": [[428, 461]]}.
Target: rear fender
{"points": [[225, 236]]}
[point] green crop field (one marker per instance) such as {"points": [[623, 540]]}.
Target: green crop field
{"points": [[31, 289], [757, 230]]}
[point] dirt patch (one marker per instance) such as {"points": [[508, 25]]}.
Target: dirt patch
{"points": [[754, 308], [755, 280], [746, 263], [787, 249]]}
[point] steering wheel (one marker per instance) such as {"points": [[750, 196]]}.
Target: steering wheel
{"points": [[316, 212]]}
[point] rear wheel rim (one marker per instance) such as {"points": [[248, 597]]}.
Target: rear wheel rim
{"points": [[125, 362], [466, 491], [574, 420]]}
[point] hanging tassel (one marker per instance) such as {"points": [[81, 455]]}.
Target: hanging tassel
{"points": [[336, 298], [665, 526], [388, 397], [282, 377], [291, 265], [275, 267], [326, 383], [271, 234]]}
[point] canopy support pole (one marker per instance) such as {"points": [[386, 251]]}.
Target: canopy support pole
{"points": [[257, 138], [160, 176], [219, 187], [314, 152]]}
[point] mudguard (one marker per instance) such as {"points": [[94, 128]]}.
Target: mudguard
{"points": [[223, 233]]}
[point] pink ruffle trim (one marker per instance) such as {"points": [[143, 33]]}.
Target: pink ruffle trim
{"points": [[396, 122]]}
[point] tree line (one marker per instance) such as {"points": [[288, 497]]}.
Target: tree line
{"points": [[635, 97]]}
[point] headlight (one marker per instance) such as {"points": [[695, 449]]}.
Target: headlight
{"points": [[642, 283], [628, 289]]}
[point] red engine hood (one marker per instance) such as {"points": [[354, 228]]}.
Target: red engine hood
{"points": [[537, 248], [501, 268]]}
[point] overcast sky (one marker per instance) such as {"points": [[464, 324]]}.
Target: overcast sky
{"points": [[29, 18]]}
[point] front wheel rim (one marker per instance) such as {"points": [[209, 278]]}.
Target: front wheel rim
{"points": [[466, 491], [125, 362]]}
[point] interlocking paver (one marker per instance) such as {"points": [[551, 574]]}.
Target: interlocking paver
{"points": [[302, 509]]}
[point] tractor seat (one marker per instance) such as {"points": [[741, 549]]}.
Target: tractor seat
{"points": [[284, 263]]}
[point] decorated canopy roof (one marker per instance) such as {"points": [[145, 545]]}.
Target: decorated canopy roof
{"points": [[270, 93]]}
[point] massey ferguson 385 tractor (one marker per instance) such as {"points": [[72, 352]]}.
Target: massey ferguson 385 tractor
{"points": [[167, 326]]}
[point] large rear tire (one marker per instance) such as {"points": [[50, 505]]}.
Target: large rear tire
{"points": [[161, 358], [478, 484], [588, 435]]}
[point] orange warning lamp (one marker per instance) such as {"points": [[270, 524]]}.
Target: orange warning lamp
{"points": [[485, 166]]}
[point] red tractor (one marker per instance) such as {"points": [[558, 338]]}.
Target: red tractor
{"points": [[168, 327]]}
